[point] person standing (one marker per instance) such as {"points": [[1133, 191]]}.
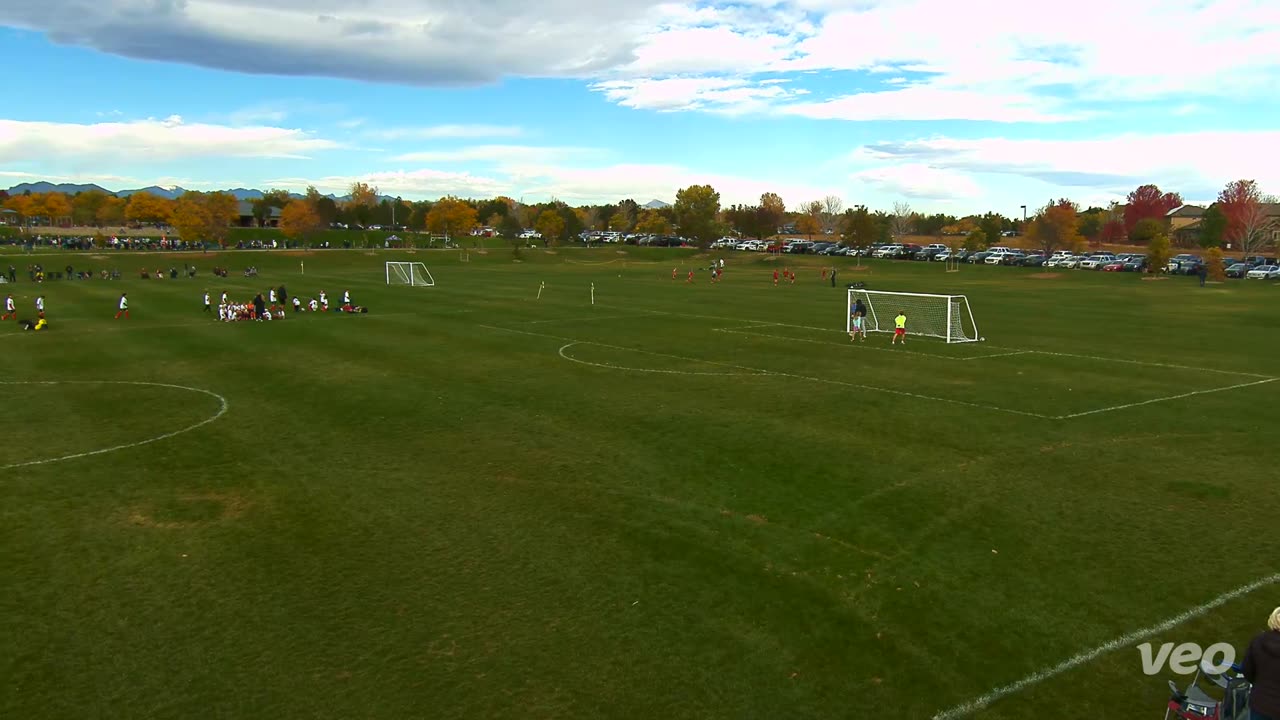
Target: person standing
{"points": [[207, 307], [10, 309], [1261, 667], [900, 328], [40, 306], [124, 306], [833, 277]]}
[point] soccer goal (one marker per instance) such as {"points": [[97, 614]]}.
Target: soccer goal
{"points": [[947, 317], [409, 273]]}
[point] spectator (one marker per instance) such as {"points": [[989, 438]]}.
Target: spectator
{"points": [[1261, 667]]}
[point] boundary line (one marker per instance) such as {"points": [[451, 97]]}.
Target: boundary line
{"points": [[774, 373], [1172, 366], [570, 358], [757, 371], [222, 409], [984, 701], [1163, 399]]}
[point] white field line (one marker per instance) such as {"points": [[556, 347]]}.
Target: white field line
{"points": [[1170, 366], [1164, 399], [583, 319], [607, 366], [775, 373], [222, 409], [1088, 656], [1147, 363]]}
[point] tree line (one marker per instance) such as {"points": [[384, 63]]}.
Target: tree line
{"points": [[1239, 217]]}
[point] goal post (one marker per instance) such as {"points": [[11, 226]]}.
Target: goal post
{"points": [[409, 273], [946, 317]]}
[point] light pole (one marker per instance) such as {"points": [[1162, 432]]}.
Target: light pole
{"points": [[1024, 220], [393, 213]]}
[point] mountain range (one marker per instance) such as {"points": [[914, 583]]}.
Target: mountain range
{"points": [[173, 192]]}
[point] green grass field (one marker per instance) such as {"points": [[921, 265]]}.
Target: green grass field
{"points": [[685, 501]]}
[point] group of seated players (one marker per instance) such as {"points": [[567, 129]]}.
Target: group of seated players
{"points": [[272, 305]]}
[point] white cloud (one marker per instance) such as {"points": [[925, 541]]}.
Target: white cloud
{"points": [[726, 95], [922, 182], [994, 58], [497, 154], [929, 103], [424, 183], [410, 42], [1196, 164], [441, 132], [149, 140]]}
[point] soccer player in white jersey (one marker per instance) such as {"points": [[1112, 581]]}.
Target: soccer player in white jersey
{"points": [[40, 306], [10, 310], [207, 308], [314, 305], [124, 306], [224, 297], [271, 294], [346, 297], [297, 304]]}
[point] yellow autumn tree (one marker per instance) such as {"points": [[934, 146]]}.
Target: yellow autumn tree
{"points": [[300, 221], [144, 207], [199, 216], [651, 222], [451, 216], [550, 225]]}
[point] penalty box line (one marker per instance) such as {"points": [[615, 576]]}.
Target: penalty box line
{"points": [[981, 703], [745, 330], [1008, 350], [759, 371]]}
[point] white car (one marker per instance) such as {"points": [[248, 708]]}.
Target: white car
{"points": [[1093, 262], [888, 251], [1264, 272], [530, 235]]}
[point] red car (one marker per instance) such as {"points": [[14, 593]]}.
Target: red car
{"points": [[1117, 266]]}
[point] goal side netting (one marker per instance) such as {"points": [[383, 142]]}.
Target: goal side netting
{"points": [[947, 317], [409, 273]]}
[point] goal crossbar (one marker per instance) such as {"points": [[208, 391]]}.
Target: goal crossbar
{"points": [[409, 273], [947, 317]]}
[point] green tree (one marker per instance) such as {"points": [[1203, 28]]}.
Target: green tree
{"points": [[770, 214], [1145, 230], [1213, 227], [976, 240], [858, 227], [695, 211]]}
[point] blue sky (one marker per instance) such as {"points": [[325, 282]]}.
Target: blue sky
{"points": [[951, 107]]}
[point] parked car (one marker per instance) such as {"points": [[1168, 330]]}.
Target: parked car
{"points": [[1265, 272], [1034, 260], [1238, 270], [1095, 262], [979, 257], [1116, 265], [1135, 263]]}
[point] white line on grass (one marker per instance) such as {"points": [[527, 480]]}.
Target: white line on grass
{"points": [[994, 347], [1163, 399], [1132, 638], [566, 356], [775, 373], [222, 409], [582, 319]]}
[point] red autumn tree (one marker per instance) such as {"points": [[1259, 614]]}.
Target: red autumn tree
{"points": [[1148, 203], [1241, 202]]}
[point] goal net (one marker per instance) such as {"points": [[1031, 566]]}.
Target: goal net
{"points": [[947, 317], [409, 273]]}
